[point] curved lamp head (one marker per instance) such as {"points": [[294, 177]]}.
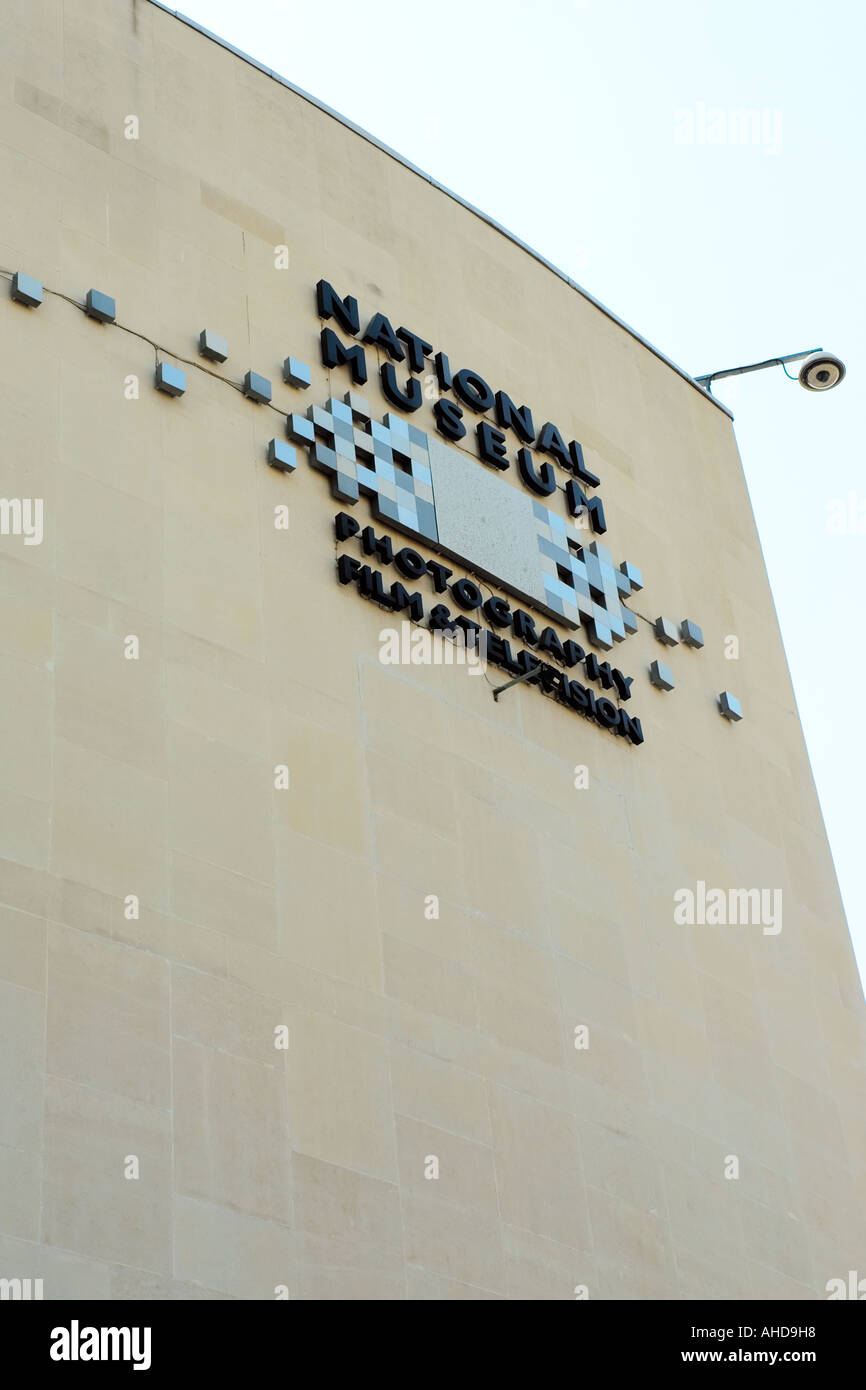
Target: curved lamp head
{"points": [[821, 372]]}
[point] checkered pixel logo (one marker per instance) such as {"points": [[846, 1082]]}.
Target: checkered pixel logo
{"points": [[580, 581], [388, 462], [420, 485]]}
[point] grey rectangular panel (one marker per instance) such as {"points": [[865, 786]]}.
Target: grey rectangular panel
{"points": [[484, 521]]}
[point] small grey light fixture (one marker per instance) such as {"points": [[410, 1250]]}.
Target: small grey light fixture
{"points": [[258, 388], [297, 373], [729, 706], [25, 290], [661, 676], [100, 306], [171, 380], [282, 456], [691, 633], [666, 632], [212, 345]]}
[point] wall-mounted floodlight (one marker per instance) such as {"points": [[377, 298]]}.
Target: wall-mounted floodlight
{"points": [[821, 371]]}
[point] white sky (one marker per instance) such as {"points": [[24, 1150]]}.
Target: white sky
{"points": [[564, 120]]}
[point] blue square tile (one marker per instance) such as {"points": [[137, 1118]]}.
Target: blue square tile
{"points": [[25, 290], [297, 373], [257, 388], [212, 346], [691, 633], [100, 306], [282, 456], [359, 405], [397, 426], [661, 676], [666, 632], [344, 487], [171, 380], [427, 520], [301, 429], [632, 573], [729, 706]]}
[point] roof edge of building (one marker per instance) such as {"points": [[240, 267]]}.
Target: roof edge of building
{"points": [[428, 178]]}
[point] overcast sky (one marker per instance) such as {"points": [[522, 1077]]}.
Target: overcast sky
{"points": [[599, 131]]}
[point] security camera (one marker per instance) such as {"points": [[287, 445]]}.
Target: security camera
{"points": [[821, 371]]}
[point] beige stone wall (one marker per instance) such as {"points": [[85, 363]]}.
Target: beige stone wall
{"points": [[409, 1037]]}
